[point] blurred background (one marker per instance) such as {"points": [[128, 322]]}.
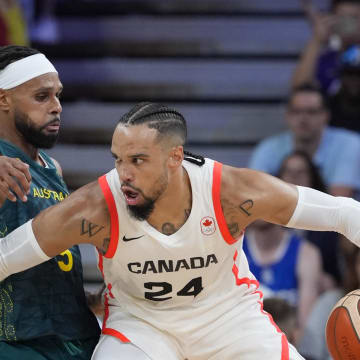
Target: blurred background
{"points": [[225, 64], [256, 81]]}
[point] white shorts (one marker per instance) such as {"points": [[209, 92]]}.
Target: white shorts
{"points": [[246, 332]]}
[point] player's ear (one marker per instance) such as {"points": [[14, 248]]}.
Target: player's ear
{"points": [[176, 156], [4, 100]]}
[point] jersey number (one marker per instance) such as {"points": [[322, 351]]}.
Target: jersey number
{"points": [[192, 288], [66, 266]]}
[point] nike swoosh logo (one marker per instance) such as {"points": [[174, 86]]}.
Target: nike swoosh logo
{"points": [[134, 238]]}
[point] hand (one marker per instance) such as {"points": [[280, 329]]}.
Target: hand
{"points": [[322, 24], [15, 179]]}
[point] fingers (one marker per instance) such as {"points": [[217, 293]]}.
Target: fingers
{"points": [[309, 9], [15, 179], [10, 186], [22, 173], [6, 193]]}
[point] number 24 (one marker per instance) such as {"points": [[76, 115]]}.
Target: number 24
{"points": [[192, 288]]}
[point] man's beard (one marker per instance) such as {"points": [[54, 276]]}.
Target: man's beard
{"points": [[34, 136], [143, 211]]}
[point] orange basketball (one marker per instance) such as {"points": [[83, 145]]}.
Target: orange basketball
{"points": [[343, 328]]}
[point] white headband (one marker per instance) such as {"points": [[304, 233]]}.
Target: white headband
{"points": [[24, 70]]}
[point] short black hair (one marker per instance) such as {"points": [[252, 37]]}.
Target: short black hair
{"points": [[166, 120], [12, 53], [308, 88]]}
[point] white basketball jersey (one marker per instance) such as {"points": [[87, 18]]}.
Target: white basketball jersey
{"points": [[175, 282]]}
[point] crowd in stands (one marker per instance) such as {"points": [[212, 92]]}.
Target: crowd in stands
{"points": [[26, 21], [320, 149], [302, 274], [331, 59]]}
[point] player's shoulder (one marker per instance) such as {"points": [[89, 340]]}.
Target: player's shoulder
{"points": [[234, 177], [88, 200], [240, 184], [91, 193]]}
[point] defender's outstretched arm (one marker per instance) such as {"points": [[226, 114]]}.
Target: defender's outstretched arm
{"points": [[81, 218]]}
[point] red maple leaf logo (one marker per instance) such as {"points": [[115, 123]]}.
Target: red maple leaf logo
{"points": [[207, 222]]}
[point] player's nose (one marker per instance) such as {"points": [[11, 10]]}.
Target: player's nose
{"points": [[125, 174], [56, 107]]}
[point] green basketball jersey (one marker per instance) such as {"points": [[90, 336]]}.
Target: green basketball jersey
{"points": [[47, 299]]}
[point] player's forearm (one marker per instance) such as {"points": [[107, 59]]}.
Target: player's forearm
{"points": [[319, 211], [20, 251]]}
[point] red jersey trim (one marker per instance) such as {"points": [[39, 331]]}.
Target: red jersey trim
{"points": [[114, 219], [109, 331], [220, 218], [284, 343], [249, 282], [117, 334]]}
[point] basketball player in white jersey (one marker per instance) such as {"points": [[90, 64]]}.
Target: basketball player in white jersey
{"points": [[169, 231]]}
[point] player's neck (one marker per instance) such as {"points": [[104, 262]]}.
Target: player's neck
{"points": [[174, 206], [14, 137]]}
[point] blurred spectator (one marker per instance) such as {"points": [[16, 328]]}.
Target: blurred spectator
{"points": [[284, 316], [313, 342], [95, 303], [297, 168], [285, 265], [44, 27], [28, 7], [336, 152], [331, 34], [13, 27], [3, 31], [345, 103]]}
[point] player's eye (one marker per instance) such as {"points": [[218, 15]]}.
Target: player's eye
{"points": [[138, 161], [41, 97]]}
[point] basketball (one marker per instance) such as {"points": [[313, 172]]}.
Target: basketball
{"points": [[343, 328]]}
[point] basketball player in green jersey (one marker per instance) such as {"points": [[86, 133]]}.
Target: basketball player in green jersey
{"points": [[43, 310]]}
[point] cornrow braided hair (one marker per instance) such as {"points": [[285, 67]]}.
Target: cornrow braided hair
{"points": [[165, 120]]}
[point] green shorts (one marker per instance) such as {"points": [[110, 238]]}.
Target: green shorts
{"points": [[48, 348]]}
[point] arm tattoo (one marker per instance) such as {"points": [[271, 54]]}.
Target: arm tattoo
{"points": [[233, 229], [246, 206], [168, 229], [89, 228], [105, 246], [187, 213]]}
